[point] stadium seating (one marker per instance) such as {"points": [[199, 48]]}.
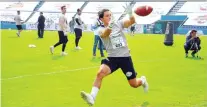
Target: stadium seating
{"points": [[197, 16]]}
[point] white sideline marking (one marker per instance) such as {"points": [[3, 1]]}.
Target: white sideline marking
{"points": [[79, 69], [49, 73]]}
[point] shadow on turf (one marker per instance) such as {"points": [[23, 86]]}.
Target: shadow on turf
{"points": [[145, 104], [195, 58], [38, 38], [57, 57], [75, 50], [96, 59], [13, 37]]}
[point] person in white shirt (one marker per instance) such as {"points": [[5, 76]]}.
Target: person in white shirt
{"points": [[62, 32], [78, 28], [119, 56], [18, 21]]}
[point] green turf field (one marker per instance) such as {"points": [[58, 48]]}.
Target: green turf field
{"points": [[32, 77]]}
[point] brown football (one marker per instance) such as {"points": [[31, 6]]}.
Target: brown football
{"points": [[143, 10]]}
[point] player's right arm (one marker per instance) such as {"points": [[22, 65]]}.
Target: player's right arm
{"points": [[129, 22]]}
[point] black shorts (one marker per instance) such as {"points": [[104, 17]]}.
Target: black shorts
{"points": [[125, 63], [62, 37], [132, 29], [78, 32], [19, 27]]}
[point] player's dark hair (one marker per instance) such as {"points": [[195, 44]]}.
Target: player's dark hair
{"points": [[18, 11], [192, 31], [63, 7], [78, 10], [101, 13]]}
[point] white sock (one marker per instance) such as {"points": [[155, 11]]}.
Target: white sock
{"points": [[94, 92], [143, 81]]}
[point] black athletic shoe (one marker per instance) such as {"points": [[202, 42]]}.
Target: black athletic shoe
{"points": [[186, 55], [193, 55]]}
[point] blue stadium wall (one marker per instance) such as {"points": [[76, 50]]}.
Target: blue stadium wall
{"points": [[10, 25], [158, 28], [179, 28]]}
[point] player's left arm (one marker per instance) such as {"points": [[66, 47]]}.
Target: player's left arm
{"points": [[199, 41], [129, 22]]}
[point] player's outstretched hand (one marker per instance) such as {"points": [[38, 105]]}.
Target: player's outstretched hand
{"points": [[128, 9]]}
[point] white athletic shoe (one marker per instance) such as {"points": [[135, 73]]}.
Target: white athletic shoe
{"points": [[18, 34], [144, 83], [78, 48], [64, 53], [52, 49], [87, 97]]}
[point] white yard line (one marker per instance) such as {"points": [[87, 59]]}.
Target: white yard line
{"points": [[49, 73], [78, 69]]}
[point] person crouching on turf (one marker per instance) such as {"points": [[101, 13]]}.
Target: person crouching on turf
{"points": [[192, 43]]}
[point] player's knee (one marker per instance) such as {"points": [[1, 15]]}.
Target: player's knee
{"points": [[134, 85], [186, 47], [101, 74]]}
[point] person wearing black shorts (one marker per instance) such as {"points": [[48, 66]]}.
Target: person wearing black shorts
{"points": [[119, 56], [18, 21], [19, 27], [132, 29], [78, 29], [62, 32]]}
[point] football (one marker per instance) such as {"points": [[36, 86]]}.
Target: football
{"points": [[143, 10]]}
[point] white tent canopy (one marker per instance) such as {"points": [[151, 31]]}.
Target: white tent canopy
{"points": [[22, 6], [196, 19], [55, 6], [9, 15], [89, 18], [112, 6], [199, 7], [50, 16]]}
